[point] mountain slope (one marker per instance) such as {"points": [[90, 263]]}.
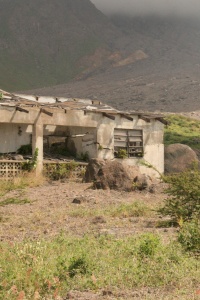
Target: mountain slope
{"points": [[41, 41], [167, 79]]}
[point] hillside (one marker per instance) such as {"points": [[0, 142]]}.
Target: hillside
{"points": [[166, 78], [69, 48], [42, 41]]}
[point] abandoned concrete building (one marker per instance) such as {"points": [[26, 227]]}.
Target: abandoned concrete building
{"points": [[84, 126]]}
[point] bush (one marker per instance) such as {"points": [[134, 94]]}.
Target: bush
{"points": [[78, 266], [189, 236], [121, 153], [183, 189], [30, 165], [25, 149], [60, 171], [149, 244]]}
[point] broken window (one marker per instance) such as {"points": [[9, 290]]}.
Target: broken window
{"points": [[128, 143]]}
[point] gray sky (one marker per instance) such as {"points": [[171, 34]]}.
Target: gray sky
{"points": [[140, 7]]}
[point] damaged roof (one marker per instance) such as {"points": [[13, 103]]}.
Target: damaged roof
{"points": [[23, 101]]}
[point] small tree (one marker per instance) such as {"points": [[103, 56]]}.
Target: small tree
{"points": [[183, 189]]}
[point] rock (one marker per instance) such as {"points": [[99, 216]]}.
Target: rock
{"points": [[17, 157], [76, 201], [80, 199], [142, 182], [152, 189], [107, 293], [133, 171], [92, 169], [111, 174], [114, 176], [178, 158], [98, 219]]}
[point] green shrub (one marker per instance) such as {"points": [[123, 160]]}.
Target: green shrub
{"points": [[25, 149], [183, 190], [121, 153], [189, 236], [30, 165], [149, 244], [60, 171], [78, 266]]}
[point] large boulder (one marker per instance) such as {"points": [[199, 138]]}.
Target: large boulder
{"points": [[113, 176], [117, 175], [108, 175], [178, 158]]}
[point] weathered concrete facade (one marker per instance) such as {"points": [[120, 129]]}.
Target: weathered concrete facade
{"points": [[87, 126]]}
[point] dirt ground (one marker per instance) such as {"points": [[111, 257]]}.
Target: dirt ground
{"points": [[51, 210]]}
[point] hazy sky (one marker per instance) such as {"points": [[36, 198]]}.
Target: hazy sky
{"points": [[138, 7]]}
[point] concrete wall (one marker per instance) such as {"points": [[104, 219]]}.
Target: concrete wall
{"points": [[101, 130], [13, 136], [152, 141]]}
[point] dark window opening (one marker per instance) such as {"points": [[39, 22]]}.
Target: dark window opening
{"points": [[128, 142]]}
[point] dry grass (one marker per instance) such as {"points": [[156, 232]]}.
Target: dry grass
{"points": [[27, 179]]}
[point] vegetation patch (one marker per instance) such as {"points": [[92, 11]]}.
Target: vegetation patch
{"points": [[18, 201], [135, 209], [182, 130], [25, 150], [189, 236], [60, 171], [10, 185], [183, 202], [27, 179], [50, 269]]}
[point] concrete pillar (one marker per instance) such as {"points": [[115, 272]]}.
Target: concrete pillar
{"points": [[105, 140], [37, 142]]}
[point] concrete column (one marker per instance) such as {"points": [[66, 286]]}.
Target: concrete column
{"points": [[37, 142], [105, 140]]}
